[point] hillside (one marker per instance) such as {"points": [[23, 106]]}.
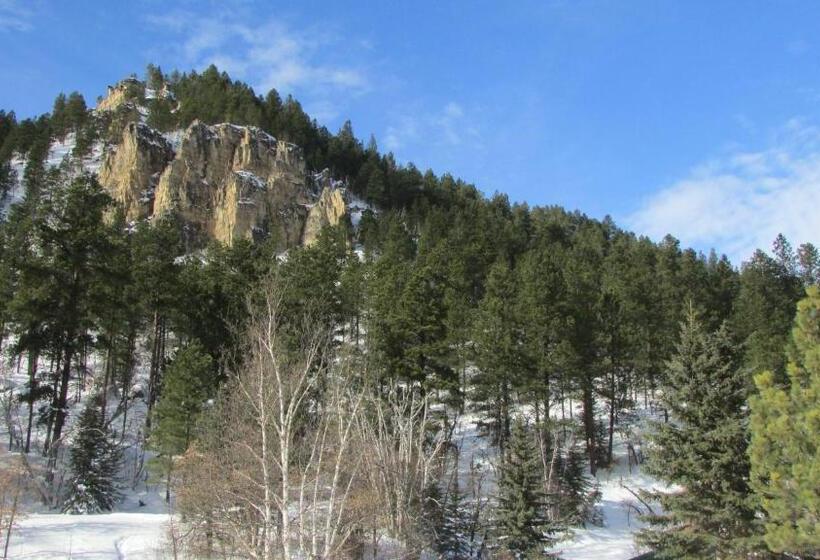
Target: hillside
{"points": [[235, 333]]}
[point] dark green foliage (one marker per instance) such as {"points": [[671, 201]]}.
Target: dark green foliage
{"points": [[213, 294], [68, 114], [519, 516], [446, 519], [577, 492], [313, 275], [160, 114], [763, 313], [212, 97], [95, 461], [188, 381], [499, 351], [154, 78], [808, 260], [8, 178], [470, 299], [8, 122], [87, 133], [703, 449], [72, 251]]}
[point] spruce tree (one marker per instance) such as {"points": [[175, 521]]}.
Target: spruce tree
{"points": [[95, 461], [577, 492], [784, 451], [520, 523], [703, 450]]}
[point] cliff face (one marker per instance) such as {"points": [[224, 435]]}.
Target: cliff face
{"points": [[229, 182], [225, 182], [131, 170], [126, 91], [330, 209]]}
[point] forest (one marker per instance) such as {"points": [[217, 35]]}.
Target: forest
{"points": [[308, 404]]}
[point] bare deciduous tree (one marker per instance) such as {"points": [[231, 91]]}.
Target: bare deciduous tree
{"points": [[403, 452], [275, 468], [13, 485]]}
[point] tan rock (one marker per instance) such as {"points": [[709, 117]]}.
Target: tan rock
{"points": [[229, 182], [329, 210], [130, 170], [125, 91]]}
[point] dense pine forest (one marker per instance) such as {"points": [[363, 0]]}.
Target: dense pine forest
{"points": [[308, 402]]}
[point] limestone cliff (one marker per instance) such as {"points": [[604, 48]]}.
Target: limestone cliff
{"points": [[229, 182], [129, 90], [225, 182], [330, 209], [131, 169]]}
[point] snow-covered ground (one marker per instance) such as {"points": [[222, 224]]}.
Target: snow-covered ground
{"points": [[619, 507], [136, 529], [107, 536], [614, 540]]}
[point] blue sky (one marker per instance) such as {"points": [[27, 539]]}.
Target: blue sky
{"points": [[699, 118]]}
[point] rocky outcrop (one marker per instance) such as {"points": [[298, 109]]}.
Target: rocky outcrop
{"points": [[129, 90], [131, 169], [229, 182], [330, 209], [225, 182]]}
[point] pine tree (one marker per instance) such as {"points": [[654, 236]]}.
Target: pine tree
{"points": [[500, 355], [187, 383], [764, 311], [703, 450], [784, 451], [808, 259], [95, 460], [520, 522]]}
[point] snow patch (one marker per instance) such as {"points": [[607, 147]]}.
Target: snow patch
{"points": [[174, 138], [60, 150]]}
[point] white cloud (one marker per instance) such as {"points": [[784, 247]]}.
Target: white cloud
{"points": [[267, 54], [741, 201], [14, 16], [449, 126]]}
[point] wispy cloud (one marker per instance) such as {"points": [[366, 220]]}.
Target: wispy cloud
{"points": [[267, 54], [449, 126], [15, 16], [740, 202]]}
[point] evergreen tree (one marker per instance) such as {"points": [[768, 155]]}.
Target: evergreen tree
{"points": [[764, 312], [95, 460], [784, 254], [784, 451], [703, 449], [808, 259], [577, 491], [499, 351], [154, 78], [188, 382], [76, 111], [74, 248], [520, 523], [156, 277], [448, 522], [58, 116]]}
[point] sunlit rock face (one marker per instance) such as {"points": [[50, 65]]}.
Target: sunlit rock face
{"points": [[131, 169]]}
